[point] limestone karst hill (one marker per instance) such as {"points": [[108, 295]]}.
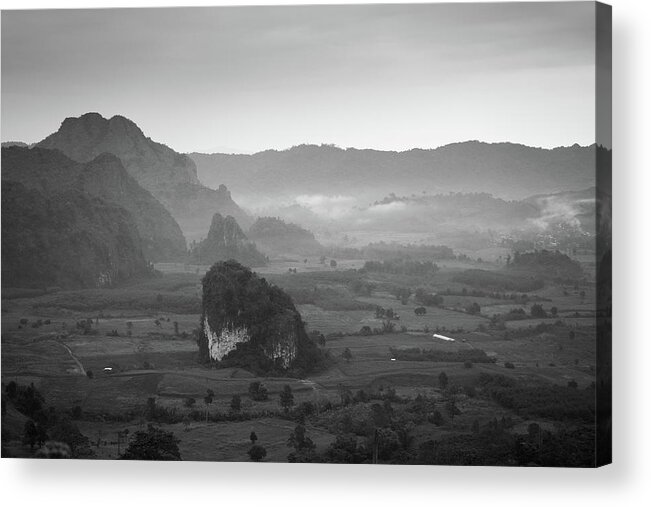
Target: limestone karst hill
{"points": [[225, 241], [249, 323]]}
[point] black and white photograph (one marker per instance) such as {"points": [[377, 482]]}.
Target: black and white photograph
{"points": [[308, 234]]}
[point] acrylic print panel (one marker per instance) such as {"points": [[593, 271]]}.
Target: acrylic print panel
{"points": [[334, 234]]}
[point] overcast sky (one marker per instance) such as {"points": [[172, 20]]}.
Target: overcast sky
{"points": [[248, 79]]}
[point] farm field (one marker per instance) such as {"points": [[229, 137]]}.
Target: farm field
{"points": [[110, 353]]}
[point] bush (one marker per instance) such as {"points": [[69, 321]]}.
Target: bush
{"points": [[257, 453], [258, 392]]}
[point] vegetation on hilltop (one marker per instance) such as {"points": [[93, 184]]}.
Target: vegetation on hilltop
{"points": [[236, 298]]}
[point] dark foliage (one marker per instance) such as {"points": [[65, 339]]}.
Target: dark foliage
{"points": [[500, 281], [153, 444]]}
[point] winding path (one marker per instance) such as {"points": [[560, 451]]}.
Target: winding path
{"points": [[74, 358]]}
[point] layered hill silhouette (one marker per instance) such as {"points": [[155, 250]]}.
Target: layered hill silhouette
{"points": [[506, 170], [226, 241], [68, 240], [51, 172], [274, 236], [169, 176]]}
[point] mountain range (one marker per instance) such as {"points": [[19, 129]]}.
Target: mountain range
{"points": [[505, 170], [171, 177]]}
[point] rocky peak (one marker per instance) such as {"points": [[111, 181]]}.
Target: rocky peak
{"points": [[225, 241]]}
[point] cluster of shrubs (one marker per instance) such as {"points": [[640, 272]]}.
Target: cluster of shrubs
{"points": [[36, 324], [427, 299], [540, 400], [44, 423]]}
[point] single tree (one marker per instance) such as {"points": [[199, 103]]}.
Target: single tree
{"points": [[30, 434], [253, 437], [286, 398], [208, 400], [347, 355], [443, 380], [236, 403]]}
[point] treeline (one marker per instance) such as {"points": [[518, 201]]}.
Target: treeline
{"points": [[402, 267], [96, 300], [492, 444], [560, 403], [44, 424], [545, 264], [388, 251], [441, 356], [495, 280]]}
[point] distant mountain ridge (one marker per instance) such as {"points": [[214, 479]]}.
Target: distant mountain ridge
{"points": [[51, 172], [171, 177], [506, 170]]}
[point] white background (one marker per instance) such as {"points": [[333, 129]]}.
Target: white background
{"points": [[626, 482]]}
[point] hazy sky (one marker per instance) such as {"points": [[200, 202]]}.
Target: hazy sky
{"points": [[252, 78]]}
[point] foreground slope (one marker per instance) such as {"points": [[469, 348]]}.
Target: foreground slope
{"points": [[67, 240], [51, 172]]}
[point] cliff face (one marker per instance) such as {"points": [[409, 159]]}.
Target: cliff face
{"points": [[50, 172], [69, 240], [248, 323], [171, 177], [274, 236], [226, 241]]}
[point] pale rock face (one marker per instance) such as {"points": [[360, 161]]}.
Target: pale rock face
{"points": [[220, 344], [283, 349], [104, 280]]}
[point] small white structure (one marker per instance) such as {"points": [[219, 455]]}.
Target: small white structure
{"points": [[444, 338], [108, 369]]}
